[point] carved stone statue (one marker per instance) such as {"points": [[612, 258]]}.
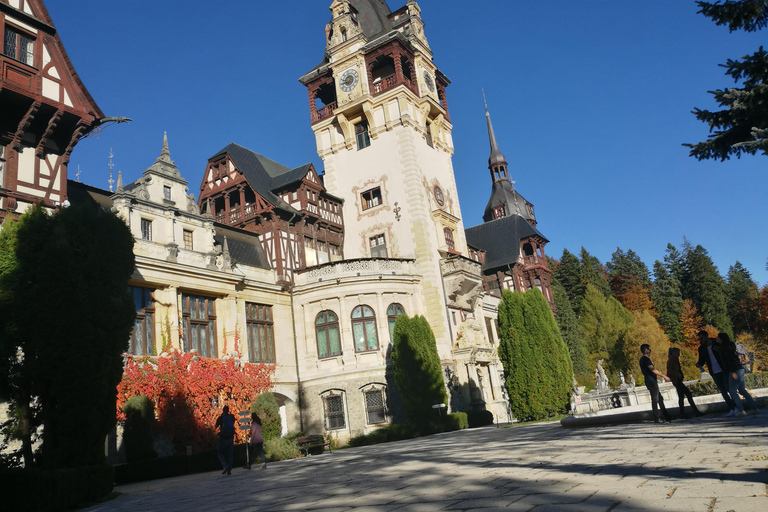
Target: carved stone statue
{"points": [[631, 381], [601, 380], [621, 377]]}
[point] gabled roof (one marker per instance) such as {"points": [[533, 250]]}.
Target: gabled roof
{"points": [[261, 173], [500, 239], [244, 247]]}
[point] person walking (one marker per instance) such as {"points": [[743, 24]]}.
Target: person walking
{"points": [[226, 425], [709, 354], [736, 372], [675, 372], [257, 442], [650, 372]]}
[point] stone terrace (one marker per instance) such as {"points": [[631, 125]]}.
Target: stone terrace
{"points": [[708, 464]]}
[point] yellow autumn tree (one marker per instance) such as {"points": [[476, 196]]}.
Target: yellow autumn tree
{"points": [[758, 350], [690, 325], [645, 329]]}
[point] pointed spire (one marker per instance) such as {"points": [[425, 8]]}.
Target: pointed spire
{"points": [[496, 157], [119, 187], [165, 154]]}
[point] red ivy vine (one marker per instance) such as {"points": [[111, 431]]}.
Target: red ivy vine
{"points": [[189, 392]]}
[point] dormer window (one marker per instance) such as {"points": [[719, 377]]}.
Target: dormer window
{"points": [[19, 46], [499, 211]]}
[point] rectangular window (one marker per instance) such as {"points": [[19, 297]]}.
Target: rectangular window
{"points": [[166, 192], [19, 46], [142, 337], [261, 337], [378, 246], [428, 136], [199, 320], [334, 412], [361, 133], [2, 167], [499, 212], [188, 240], [371, 198], [374, 406], [146, 229]]}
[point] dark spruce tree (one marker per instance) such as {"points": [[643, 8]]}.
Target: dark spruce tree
{"points": [[417, 369], [73, 269], [668, 300], [741, 126], [567, 273], [742, 298], [537, 366], [592, 272], [704, 285], [570, 329]]}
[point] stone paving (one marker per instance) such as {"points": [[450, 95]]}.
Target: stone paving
{"points": [[707, 464]]}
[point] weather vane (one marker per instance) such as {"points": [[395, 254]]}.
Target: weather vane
{"points": [[77, 174], [111, 165]]}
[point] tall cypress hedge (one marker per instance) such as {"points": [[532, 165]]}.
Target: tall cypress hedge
{"points": [[417, 369], [537, 365]]}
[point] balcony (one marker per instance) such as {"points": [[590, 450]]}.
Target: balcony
{"points": [[391, 81], [323, 113], [237, 215]]}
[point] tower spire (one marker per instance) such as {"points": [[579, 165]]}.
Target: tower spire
{"points": [[497, 163]]}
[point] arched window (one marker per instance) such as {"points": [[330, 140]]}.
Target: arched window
{"points": [[448, 238], [364, 329], [393, 311], [527, 249], [327, 330]]}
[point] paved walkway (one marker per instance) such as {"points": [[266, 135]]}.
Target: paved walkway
{"points": [[708, 464]]}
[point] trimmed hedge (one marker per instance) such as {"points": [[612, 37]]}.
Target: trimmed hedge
{"points": [[456, 421], [54, 489], [708, 387]]}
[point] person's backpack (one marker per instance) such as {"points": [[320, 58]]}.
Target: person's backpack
{"points": [[742, 354], [227, 427]]}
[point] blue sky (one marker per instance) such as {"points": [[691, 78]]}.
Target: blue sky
{"points": [[590, 103]]}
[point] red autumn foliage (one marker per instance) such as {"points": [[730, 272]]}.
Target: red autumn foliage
{"points": [[189, 391]]}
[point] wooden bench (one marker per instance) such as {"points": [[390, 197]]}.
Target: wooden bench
{"points": [[306, 443]]}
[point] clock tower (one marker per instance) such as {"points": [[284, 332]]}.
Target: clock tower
{"points": [[380, 116]]}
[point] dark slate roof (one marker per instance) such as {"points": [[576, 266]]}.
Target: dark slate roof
{"points": [[373, 16], [244, 247], [80, 193], [262, 173], [500, 239], [504, 193]]}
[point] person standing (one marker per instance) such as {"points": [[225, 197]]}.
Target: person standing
{"points": [[735, 371], [257, 442], [675, 372], [709, 354], [650, 372], [226, 425]]}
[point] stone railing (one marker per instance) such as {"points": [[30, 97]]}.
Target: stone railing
{"points": [[355, 268]]}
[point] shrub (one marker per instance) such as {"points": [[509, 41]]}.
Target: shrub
{"points": [[281, 449], [703, 388], [269, 413], [479, 418], [456, 421], [59, 489], [756, 380], [137, 433]]}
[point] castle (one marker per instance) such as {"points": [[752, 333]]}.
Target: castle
{"points": [[310, 269]]}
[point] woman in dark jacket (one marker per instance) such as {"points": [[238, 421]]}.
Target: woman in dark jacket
{"points": [[735, 375], [675, 372]]}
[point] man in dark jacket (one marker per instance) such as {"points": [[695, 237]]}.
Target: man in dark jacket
{"points": [[650, 372], [226, 425], [709, 354]]}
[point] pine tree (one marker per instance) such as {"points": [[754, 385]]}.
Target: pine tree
{"points": [[742, 295], [704, 285], [417, 369], [567, 273], [742, 126], [629, 281], [668, 300], [569, 328], [537, 366], [592, 272]]}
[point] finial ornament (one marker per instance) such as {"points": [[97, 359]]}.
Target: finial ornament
{"points": [[111, 165]]}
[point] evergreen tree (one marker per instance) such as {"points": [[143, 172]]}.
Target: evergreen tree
{"points": [[567, 273], [630, 282], [73, 268], [704, 285], [591, 271], [268, 411], [417, 369], [537, 366], [570, 329], [742, 295], [604, 322], [673, 260], [742, 126], [668, 300]]}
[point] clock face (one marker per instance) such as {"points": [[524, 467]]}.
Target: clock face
{"points": [[348, 80], [429, 81], [439, 196]]}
